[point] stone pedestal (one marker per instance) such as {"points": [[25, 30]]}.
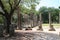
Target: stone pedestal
{"points": [[40, 28], [51, 28]]}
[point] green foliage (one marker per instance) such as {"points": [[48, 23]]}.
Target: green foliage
{"points": [[1, 19], [25, 3], [42, 9], [28, 6], [6, 5], [30, 2], [54, 14], [44, 12]]}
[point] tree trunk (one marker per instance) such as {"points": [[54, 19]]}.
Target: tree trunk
{"points": [[37, 20], [8, 22], [19, 19], [19, 22], [32, 21]]}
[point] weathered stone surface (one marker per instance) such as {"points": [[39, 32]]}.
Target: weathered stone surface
{"points": [[40, 28], [51, 28]]}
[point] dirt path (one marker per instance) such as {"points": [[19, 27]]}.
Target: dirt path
{"points": [[33, 35]]}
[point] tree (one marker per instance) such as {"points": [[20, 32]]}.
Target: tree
{"points": [[8, 8], [32, 13], [31, 4], [19, 19], [19, 22], [8, 13], [55, 15]]}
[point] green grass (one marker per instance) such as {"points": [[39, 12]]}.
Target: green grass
{"points": [[55, 25], [52, 24]]}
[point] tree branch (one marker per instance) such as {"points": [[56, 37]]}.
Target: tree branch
{"points": [[10, 4], [14, 7], [2, 6], [17, 3]]}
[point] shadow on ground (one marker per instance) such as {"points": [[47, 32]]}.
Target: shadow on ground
{"points": [[33, 36]]}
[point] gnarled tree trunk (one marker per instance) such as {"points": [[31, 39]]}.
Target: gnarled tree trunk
{"points": [[8, 24]]}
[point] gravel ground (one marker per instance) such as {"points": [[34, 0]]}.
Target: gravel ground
{"points": [[33, 36]]}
